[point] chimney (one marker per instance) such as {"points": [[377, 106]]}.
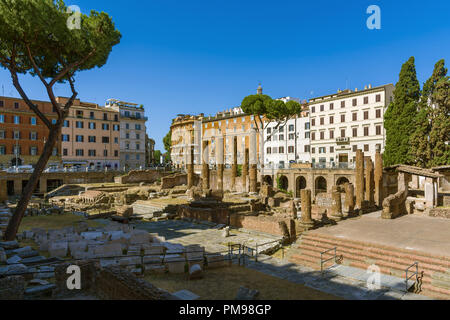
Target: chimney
{"points": [[370, 86], [365, 87]]}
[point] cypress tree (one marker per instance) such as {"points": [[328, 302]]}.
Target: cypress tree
{"points": [[400, 116]]}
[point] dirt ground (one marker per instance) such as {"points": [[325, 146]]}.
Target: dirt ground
{"points": [[53, 222], [223, 284]]}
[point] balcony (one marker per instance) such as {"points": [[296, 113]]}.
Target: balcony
{"points": [[133, 117]]}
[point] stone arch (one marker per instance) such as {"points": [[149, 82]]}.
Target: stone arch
{"points": [[300, 184], [283, 183], [268, 180], [342, 181], [321, 185]]}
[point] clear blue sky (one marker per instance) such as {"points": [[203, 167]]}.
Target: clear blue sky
{"points": [[205, 56]]}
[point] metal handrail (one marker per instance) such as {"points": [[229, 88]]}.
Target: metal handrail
{"points": [[415, 264], [322, 261]]}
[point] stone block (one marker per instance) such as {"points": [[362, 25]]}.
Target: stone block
{"points": [[14, 260], [58, 249], [176, 267], [153, 248]]}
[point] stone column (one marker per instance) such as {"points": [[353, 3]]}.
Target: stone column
{"points": [[336, 206], [190, 168], [245, 170], [253, 154], [205, 166], [219, 162], [234, 166], [349, 204], [293, 209], [306, 220], [378, 176], [359, 178], [369, 195]]}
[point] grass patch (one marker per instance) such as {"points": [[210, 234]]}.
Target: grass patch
{"points": [[54, 222], [224, 283]]}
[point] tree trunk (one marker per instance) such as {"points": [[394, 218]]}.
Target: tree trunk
{"points": [[16, 219]]}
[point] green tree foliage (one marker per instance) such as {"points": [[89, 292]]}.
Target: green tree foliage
{"points": [[35, 39], [167, 140], [428, 143], [158, 155], [400, 116]]}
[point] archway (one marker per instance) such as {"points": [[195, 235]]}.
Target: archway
{"points": [[321, 185], [341, 181], [268, 180], [300, 185], [283, 183]]}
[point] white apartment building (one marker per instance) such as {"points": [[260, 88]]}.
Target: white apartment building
{"points": [[289, 143], [344, 122], [132, 133]]}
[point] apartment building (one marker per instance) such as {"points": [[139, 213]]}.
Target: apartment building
{"points": [[288, 142], [349, 120], [23, 134], [91, 137], [132, 133]]}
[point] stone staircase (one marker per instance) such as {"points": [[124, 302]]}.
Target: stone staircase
{"points": [[391, 261], [148, 209]]}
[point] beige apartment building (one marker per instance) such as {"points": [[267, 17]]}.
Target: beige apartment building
{"points": [[91, 137]]}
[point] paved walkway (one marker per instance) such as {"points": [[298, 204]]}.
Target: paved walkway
{"points": [[427, 234], [341, 283], [205, 234]]}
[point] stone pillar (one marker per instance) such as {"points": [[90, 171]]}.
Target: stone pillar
{"points": [[219, 162], [205, 166], [336, 206], [245, 170], [369, 194], [349, 204], [378, 176], [293, 209], [306, 220], [234, 166], [253, 154], [359, 178], [190, 168]]}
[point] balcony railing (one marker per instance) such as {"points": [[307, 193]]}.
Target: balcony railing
{"points": [[341, 141]]}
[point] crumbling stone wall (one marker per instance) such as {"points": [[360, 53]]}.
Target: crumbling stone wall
{"points": [[148, 176], [12, 288], [115, 283], [177, 179]]}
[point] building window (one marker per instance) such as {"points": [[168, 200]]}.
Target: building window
{"points": [[92, 125], [291, 128], [322, 135], [105, 116], [105, 153], [342, 104], [116, 127], [16, 135], [138, 157], [33, 136], [342, 133], [378, 130], [2, 134], [331, 134], [66, 124], [116, 153], [366, 115], [127, 146], [292, 136], [355, 148], [378, 113], [16, 150], [269, 131], [307, 135], [16, 120], [79, 138], [55, 152], [2, 118], [92, 139], [138, 127], [127, 126], [322, 150], [79, 125], [307, 148], [116, 140], [91, 115], [65, 152], [105, 139], [79, 153], [33, 151], [138, 146], [355, 132], [269, 150], [313, 122], [331, 120], [378, 98], [116, 118], [127, 157], [275, 150], [322, 121], [366, 131], [313, 150], [355, 116], [342, 118], [33, 121], [281, 149], [313, 109], [331, 106], [65, 138], [366, 148], [105, 126], [127, 136], [366, 100], [138, 136], [79, 114], [313, 136], [307, 126], [16, 105], [355, 102], [331, 149], [53, 121], [1, 104], [291, 149], [322, 108], [281, 137]]}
